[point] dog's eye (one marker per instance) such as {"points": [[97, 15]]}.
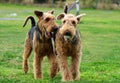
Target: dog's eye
{"points": [[64, 21], [73, 22], [47, 19]]}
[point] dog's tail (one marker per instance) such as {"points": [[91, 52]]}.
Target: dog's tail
{"points": [[32, 21]]}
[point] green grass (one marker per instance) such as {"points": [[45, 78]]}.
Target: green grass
{"points": [[100, 31]]}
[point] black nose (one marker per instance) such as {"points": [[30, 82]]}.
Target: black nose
{"points": [[54, 29], [67, 33]]}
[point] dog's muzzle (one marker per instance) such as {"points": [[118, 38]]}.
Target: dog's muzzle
{"points": [[67, 35]]}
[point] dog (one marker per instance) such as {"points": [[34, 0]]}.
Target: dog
{"points": [[38, 39], [68, 43]]}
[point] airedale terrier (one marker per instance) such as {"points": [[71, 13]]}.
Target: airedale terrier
{"points": [[39, 39], [68, 43]]}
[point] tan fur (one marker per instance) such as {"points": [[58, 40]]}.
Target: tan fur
{"points": [[66, 48], [42, 48]]}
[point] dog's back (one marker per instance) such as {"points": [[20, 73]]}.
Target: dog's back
{"points": [[33, 28]]}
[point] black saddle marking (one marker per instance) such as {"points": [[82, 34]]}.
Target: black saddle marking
{"points": [[31, 33]]}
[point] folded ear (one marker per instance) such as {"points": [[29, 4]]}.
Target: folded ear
{"points": [[60, 16], [52, 12], [38, 13], [79, 16]]}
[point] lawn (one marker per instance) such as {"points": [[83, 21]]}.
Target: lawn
{"points": [[100, 31]]}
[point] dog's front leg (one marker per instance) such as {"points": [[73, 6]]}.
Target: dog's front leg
{"points": [[75, 66], [37, 65], [53, 65], [66, 74]]}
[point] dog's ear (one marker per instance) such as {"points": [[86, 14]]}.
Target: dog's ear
{"points": [[79, 16], [66, 9], [51, 12], [38, 13], [60, 16]]}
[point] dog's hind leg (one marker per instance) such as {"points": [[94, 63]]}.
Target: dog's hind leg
{"points": [[53, 65], [26, 54]]}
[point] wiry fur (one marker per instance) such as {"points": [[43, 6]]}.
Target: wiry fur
{"points": [[68, 44], [39, 39]]}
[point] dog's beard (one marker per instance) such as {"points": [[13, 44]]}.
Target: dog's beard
{"points": [[70, 39], [67, 38]]}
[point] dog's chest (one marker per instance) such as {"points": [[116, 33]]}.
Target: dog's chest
{"points": [[45, 48], [69, 49]]}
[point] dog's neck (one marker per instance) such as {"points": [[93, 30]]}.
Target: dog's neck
{"points": [[42, 33], [41, 28]]}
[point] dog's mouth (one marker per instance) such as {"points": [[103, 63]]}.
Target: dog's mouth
{"points": [[50, 34]]}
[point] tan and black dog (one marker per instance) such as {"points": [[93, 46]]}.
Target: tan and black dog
{"points": [[68, 43], [39, 39]]}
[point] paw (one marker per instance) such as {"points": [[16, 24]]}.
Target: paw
{"points": [[77, 78], [52, 75], [38, 77], [68, 78], [25, 69]]}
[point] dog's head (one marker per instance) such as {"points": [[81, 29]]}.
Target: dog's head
{"points": [[69, 25], [46, 22]]}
